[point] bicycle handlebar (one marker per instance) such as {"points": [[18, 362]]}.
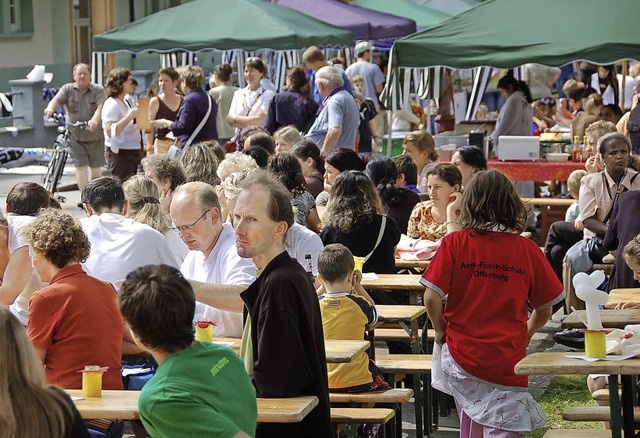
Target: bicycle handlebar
{"points": [[60, 120]]}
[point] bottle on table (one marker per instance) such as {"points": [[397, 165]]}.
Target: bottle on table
{"points": [[308, 266]]}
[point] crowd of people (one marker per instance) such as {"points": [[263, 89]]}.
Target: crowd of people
{"points": [[247, 211]]}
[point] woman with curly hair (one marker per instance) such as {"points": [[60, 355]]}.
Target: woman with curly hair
{"points": [[166, 173], [28, 407], [121, 135], [68, 326], [489, 275], [286, 168], [144, 201], [354, 217]]}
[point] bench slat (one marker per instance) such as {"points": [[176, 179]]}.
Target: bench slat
{"points": [[394, 395], [404, 363], [399, 334], [582, 433], [593, 413], [361, 415]]}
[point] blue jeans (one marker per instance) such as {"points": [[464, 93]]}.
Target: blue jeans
{"points": [[494, 100]]}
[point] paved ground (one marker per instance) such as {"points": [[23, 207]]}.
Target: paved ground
{"points": [[448, 425]]}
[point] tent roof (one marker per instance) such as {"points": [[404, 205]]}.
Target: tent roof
{"points": [[424, 16], [214, 24], [451, 7], [366, 24], [509, 33]]}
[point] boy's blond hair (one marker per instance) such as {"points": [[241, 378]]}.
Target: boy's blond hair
{"points": [[573, 182]]}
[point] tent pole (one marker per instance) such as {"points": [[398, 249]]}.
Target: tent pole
{"points": [[625, 72]]}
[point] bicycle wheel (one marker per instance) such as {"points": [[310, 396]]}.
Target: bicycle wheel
{"points": [[59, 169], [47, 179]]}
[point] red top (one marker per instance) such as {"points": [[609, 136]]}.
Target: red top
{"points": [[488, 281], [77, 321]]}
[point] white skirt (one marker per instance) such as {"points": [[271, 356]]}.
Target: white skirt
{"points": [[501, 407]]}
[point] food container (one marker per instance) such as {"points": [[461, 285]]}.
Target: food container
{"points": [[204, 331], [358, 263], [558, 157], [92, 380], [595, 344]]}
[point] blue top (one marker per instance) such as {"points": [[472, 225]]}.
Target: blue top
{"points": [[191, 112], [289, 108], [339, 111]]}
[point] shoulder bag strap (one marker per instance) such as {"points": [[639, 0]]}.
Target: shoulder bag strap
{"points": [[383, 225], [200, 126]]}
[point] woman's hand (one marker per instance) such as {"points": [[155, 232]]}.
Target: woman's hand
{"points": [[165, 200], [454, 206], [161, 123], [594, 164], [132, 113], [622, 306]]}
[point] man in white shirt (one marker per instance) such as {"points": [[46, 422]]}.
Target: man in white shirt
{"points": [[213, 257], [299, 242], [118, 244]]}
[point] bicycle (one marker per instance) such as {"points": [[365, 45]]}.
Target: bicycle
{"points": [[60, 154]]}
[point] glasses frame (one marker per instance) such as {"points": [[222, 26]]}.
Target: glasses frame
{"points": [[189, 227]]}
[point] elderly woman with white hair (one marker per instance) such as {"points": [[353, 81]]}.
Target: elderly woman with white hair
{"points": [[337, 124], [231, 171]]}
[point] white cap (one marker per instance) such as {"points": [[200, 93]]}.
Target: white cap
{"points": [[363, 46]]}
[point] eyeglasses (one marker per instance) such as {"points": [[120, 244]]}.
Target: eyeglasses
{"points": [[189, 227]]}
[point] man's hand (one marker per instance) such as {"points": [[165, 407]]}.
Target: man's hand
{"points": [[92, 125], [49, 113]]}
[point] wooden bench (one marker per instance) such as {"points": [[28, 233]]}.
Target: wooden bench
{"points": [[593, 413], [582, 433], [400, 335], [602, 396], [363, 416]]}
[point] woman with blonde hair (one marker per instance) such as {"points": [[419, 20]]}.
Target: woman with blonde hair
{"points": [[421, 147], [28, 406], [142, 195], [286, 137]]}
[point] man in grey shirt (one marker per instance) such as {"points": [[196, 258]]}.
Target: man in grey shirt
{"points": [[337, 123]]}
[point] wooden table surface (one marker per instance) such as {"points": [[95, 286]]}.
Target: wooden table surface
{"points": [[395, 282], [337, 351], [123, 405], [610, 318], [557, 363], [625, 295], [399, 313], [555, 202], [411, 264]]}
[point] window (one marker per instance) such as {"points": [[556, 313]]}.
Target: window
{"points": [[15, 22], [16, 17]]}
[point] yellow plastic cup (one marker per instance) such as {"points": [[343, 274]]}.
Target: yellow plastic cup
{"points": [[92, 382], [595, 345], [204, 331], [358, 262]]}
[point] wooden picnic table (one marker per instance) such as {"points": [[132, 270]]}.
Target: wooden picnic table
{"points": [[558, 363], [123, 405], [405, 316], [610, 318], [397, 282], [338, 351], [624, 295], [411, 264]]}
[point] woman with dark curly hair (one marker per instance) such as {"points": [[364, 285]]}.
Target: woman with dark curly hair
{"points": [[122, 137], [286, 168], [489, 275], [397, 202], [354, 217], [293, 106], [69, 327]]}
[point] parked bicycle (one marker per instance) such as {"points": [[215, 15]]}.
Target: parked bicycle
{"points": [[60, 153]]}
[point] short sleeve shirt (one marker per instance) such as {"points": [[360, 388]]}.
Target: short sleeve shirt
{"points": [[115, 110], [339, 111], [250, 103], [80, 107], [372, 76], [488, 280], [303, 204]]}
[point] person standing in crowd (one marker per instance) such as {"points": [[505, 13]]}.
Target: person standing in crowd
{"points": [[314, 60], [337, 124], [516, 115], [223, 91], [190, 393], [82, 102], [293, 106], [166, 107], [369, 71], [122, 137], [196, 119], [282, 343], [605, 82]]}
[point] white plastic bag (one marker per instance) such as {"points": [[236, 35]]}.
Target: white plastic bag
{"points": [[438, 381]]}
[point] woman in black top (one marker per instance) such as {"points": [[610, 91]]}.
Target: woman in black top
{"points": [[293, 106]]}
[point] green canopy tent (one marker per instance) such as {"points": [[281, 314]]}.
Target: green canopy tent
{"points": [[424, 16], [509, 33]]}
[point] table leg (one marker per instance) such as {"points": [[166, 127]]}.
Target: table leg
{"points": [[614, 408], [628, 423]]}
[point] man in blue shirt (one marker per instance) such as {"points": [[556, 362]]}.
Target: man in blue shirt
{"points": [[314, 59]]}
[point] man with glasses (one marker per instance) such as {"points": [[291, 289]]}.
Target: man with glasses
{"points": [[118, 244], [213, 257]]}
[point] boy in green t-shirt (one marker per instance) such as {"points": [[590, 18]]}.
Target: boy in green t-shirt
{"points": [[199, 389]]}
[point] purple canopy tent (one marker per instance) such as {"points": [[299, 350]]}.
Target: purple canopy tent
{"points": [[366, 24]]}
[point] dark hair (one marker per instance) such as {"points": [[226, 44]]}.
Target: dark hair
{"points": [[27, 198], [490, 202], [280, 209], [171, 72], [115, 81], [104, 192], [509, 83], [472, 156], [166, 169], [246, 132], [288, 170], [335, 262], [259, 154], [299, 82], [617, 111], [262, 139], [223, 72], [158, 304], [256, 64], [58, 237], [612, 80], [448, 173], [408, 168], [383, 173], [307, 149], [354, 202], [345, 159], [608, 140]]}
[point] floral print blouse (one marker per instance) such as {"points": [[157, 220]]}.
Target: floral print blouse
{"points": [[422, 225]]}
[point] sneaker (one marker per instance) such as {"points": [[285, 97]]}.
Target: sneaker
{"points": [[379, 384]]}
